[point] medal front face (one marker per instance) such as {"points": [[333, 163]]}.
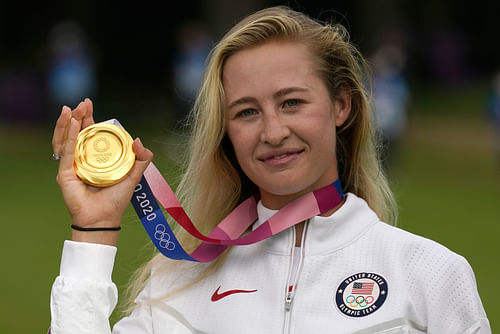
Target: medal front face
{"points": [[102, 150], [103, 154]]}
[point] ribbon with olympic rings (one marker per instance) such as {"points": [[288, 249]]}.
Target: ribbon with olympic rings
{"points": [[153, 188]]}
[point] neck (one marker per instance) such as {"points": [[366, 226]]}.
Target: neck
{"points": [[277, 202]]}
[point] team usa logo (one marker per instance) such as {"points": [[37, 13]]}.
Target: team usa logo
{"points": [[361, 294]]}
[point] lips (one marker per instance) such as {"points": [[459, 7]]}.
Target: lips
{"points": [[279, 155]]}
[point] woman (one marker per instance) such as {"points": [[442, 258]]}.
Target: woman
{"points": [[282, 111]]}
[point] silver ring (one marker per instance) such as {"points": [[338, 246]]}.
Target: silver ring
{"points": [[56, 156]]}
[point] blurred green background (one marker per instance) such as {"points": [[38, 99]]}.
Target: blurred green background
{"points": [[444, 170]]}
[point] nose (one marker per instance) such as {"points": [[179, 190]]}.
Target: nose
{"points": [[275, 129]]}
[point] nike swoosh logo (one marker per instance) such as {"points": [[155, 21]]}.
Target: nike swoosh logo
{"points": [[217, 296]]}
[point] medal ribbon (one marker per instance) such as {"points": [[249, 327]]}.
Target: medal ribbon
{"points": [[153, 189]]}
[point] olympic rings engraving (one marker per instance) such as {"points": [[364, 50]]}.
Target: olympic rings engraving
{"points": [[101, 158], [359, 301], [163, 237]]}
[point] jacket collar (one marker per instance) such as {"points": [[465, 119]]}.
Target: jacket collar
{"points": [[323, 234]]}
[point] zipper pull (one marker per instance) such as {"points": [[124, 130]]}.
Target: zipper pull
{"points": [[289, 297], [288, 301]]}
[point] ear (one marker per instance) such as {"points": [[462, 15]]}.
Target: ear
{"points": [[343, 105]]}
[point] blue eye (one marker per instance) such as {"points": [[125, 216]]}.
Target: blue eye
{"points": [[291, 103], [247, 112]]}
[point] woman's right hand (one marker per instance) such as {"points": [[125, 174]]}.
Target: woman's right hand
{"points": [[90, 206]]}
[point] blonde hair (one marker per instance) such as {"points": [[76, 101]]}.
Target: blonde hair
{"points": [[213, 184]]}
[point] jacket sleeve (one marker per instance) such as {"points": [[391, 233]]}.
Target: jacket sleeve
{"points": [[83, 295], [456, 306]]}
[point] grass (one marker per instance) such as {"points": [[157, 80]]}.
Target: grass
{"points": [[446, 179], [447, 182]]}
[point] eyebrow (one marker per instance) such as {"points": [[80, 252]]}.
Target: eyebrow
{"points": [[288, 90], [278, 94]]}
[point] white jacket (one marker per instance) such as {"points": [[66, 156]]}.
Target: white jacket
{"points": [[353, 274]]}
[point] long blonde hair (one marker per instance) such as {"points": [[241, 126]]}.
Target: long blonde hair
{"points": [[213, 184]]}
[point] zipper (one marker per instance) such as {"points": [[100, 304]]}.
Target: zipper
{"points": [[293, 277]]}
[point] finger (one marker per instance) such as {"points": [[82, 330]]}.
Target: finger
{"points": [[143, 158], [141, 153], [80, 111], [69, 146], [88, 118], [60, 130]]}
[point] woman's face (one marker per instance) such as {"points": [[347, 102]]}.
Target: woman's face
{"points": [[281, 120]]}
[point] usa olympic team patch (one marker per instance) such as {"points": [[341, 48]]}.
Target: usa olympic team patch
{"points": [[361, 294]]}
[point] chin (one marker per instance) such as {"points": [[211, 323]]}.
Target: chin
{"points": [[285, 189]]}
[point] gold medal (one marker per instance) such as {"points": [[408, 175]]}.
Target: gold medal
{"points": [[103, 154]]}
